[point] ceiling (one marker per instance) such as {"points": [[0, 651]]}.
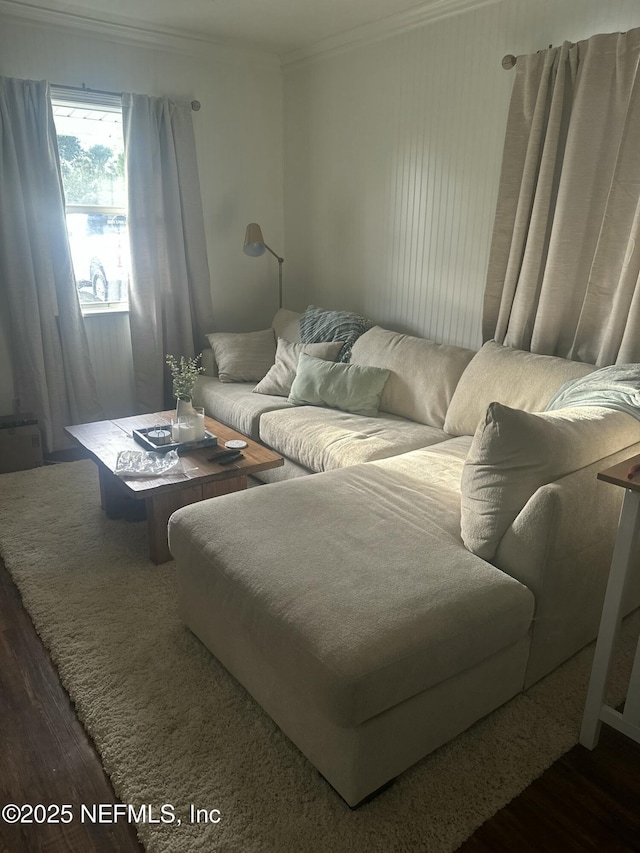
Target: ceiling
{"points": [[278, 26]]}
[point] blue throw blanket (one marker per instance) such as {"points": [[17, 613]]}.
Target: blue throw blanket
{"points": [[616, 387]]}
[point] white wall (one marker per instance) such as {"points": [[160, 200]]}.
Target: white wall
{"points": [[391, 158], [238, 138], [392, 153]]}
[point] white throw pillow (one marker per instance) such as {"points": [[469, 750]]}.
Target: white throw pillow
{"points": [[243, 356], [280, 377], [514, 452]]}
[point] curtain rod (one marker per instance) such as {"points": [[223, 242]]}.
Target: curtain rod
{"points": [[510, 60], [195, 105]]}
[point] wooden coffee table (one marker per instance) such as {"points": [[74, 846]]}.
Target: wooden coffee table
{"points": [[163, 495]]}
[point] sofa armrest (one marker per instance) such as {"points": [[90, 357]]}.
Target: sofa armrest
{"points": [[286, 324], [560, 546], [209, 362]]}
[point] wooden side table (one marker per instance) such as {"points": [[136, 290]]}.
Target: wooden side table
{"points": [[626, 548]]}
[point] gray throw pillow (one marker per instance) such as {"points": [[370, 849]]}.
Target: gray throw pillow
{"points": [[243, 356], [350, 387], [514, 452], [278, 380]]}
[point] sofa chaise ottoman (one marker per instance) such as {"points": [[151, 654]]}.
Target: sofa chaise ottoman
{"points": [[369, 646], [380, 607]]}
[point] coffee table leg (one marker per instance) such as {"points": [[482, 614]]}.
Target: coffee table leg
{"points": [[160, 507], [114, 499]]}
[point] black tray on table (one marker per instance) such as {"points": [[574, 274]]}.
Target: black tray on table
{"points": [[141, 436]]}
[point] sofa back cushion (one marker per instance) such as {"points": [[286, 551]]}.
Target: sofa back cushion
{"points": [[521, 380], [423, 374], [286, 324], [514, 452]]}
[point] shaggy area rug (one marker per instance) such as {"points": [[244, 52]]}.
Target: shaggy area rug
{"points": [[172, 726]]}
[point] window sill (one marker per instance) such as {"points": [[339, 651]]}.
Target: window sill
{"points": [[93, 310]]}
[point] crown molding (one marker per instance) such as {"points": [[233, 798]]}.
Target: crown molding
{"points": [[184, 41], [127, 32], [393, 25]]}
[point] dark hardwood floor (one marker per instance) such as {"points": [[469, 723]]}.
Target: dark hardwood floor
{"points": [[45, 754], [588, 801]]}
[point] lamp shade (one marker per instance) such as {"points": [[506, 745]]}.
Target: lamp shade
{"points": [[254, 241]]}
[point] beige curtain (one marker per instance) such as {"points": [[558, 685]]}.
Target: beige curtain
{"points": [[563, 276], [170, 293], [52, 369]]}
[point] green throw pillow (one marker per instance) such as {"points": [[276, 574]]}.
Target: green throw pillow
{"points": [[349, 387]]}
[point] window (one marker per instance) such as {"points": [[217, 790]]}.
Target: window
{"points": [[91, 147]]}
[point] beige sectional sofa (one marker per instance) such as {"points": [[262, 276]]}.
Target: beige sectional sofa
{"points": [[353, 604]]}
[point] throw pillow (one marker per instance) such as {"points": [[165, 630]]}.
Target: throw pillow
{"points": [[349, 387], [317, 324], [279, 378], [243, 356], [514, 452]]}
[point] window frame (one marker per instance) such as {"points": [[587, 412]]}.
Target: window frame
{"points": [[101, 102]]}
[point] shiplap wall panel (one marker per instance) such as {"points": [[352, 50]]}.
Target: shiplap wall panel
{"points": [[109, 339], [392, 160]]}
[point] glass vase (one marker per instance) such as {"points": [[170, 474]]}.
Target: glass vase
{"points": [[184, 409], [183, 429]]}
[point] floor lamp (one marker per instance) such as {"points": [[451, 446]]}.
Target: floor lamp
{"points": [[254, 246]]}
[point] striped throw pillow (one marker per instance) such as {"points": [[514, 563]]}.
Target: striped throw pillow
{"points": [[317, 325]]}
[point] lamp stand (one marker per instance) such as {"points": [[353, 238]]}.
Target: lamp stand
{"points": [[254, 246], [280, 262]]}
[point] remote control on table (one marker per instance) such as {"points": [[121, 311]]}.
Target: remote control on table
{"points": [[228, 459], [220, 455]]}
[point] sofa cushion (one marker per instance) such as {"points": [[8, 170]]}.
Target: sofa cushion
{"points": [[318, 324], [349, 387], [323, 439], [235, 404], [430, 470], [243, 356], [522, 380], [456, 448], [513, 453], [423, 376], [352, 620], [280, 377]]}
